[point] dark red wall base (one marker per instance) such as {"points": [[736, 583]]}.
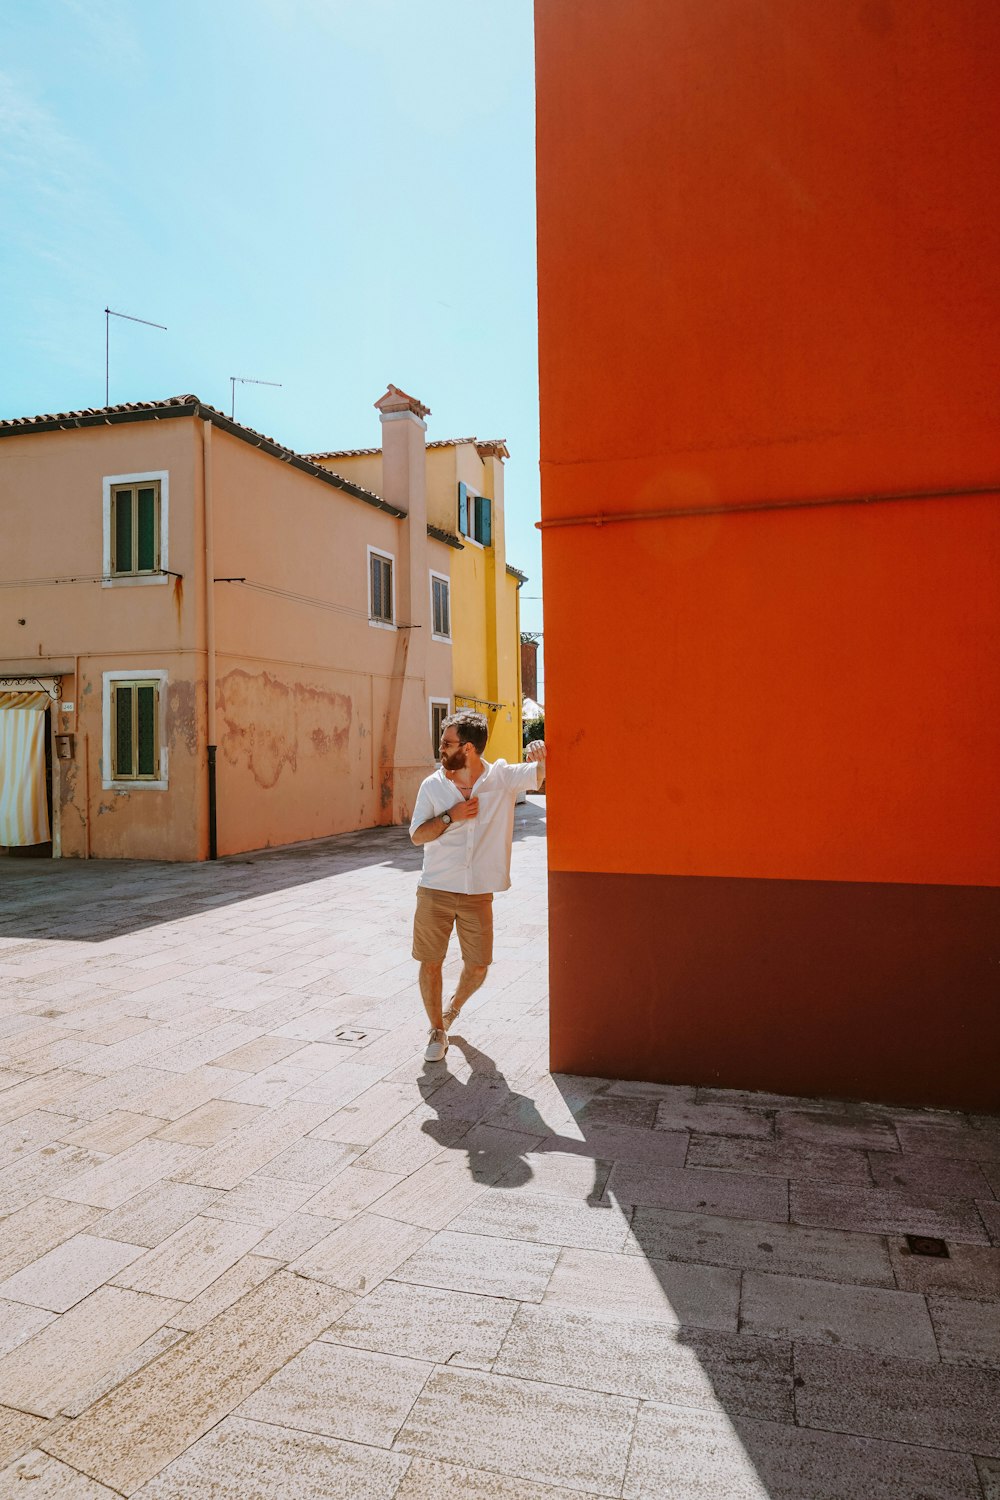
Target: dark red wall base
{"points": [[853, 991]]}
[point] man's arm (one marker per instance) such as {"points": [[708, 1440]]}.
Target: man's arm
{"points": [[535, 752], [434, 827]]}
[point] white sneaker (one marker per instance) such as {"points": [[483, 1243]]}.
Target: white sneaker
{"points": [[437, 1046], [450, 1017]]}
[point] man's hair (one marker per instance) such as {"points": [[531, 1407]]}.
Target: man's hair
{"points": [[472, 728]]}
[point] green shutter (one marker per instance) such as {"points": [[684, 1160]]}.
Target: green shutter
{"points": [[122, 562], [146, 530], [464, 529], [483, 520], [146, 724], [124, 764]]}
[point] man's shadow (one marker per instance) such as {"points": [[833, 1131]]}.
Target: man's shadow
{"points": [[488, 1120]]}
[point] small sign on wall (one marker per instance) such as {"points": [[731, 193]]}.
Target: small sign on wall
{"points": [[65, 746]]}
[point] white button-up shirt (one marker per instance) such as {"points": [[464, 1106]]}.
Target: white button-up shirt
{"points": [[473, 856]]}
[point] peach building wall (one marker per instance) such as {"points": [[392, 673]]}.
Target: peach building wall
{"points": [[52, 528], [322, 719]]}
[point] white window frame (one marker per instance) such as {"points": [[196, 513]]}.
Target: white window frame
{"points": [[432, 704], [391, 558], [441, 578], [130, 580], [108, 783]]}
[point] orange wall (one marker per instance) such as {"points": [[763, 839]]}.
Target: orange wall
{"points": [[768, 239]]}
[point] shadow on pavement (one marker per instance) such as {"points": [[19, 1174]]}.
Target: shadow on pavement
{"points": [[95, 900]]}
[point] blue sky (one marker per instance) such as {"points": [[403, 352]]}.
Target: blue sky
{"points": [[333, 194]]}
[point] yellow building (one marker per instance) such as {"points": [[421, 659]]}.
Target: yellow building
{"points": [[477, 609]]}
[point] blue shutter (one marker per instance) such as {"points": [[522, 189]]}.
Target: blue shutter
{"points": [[464, 529]]}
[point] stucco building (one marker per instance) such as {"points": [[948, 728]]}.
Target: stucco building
{"points": [[209, 642], [464, 482], [770, 455]]}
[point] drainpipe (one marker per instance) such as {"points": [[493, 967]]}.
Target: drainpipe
{"points": [[206, 453]]}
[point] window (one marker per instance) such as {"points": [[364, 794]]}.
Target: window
{"points": [[134, 754], [381, 606], [440, 709], [475, 519], [135, 528], [440, 607]]}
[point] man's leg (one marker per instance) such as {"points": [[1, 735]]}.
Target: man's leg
{"points": [[474, 921], [430, 992], [470, 979]]}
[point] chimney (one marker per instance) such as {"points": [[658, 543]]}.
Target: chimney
{"points": [[406, 753]]}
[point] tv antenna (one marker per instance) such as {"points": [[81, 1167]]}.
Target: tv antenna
{"points": [[235, 380], [110, 313]]}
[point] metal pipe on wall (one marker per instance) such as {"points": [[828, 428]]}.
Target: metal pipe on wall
{"points": [[206, 453]]}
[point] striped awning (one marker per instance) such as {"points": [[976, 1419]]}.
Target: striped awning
{"points": [[29, 692], [39, 699]]}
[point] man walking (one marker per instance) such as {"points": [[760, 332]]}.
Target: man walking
{"points": [[464, 819]]}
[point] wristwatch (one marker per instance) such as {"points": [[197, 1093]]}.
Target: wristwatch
{"points": [[446, 819]]}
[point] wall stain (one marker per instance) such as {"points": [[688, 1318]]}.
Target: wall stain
{"points": [[269, 724], [182, 715]]}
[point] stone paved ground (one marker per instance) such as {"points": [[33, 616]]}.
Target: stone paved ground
{"points": [[254, 1248]]}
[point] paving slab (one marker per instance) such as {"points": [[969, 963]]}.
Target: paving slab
{"points": [[492, 1266], [951, 1135], [426, 1479], [351, 1190], [256, 1461], [968, 1333], [887, 1211], [342, 1392], [852, 1317], [899, 1400], [232, 1160], [548, 1433], [151, 1418], [67, 1359], [191, 1259], [39, 1227], [209, 1123], [651, 1361], [19, 1322], [68, 1273], [847, 1129], [784, 1158], [657, 1291], [426, 1323], [934, 1177], [360, 1253], [18, 1431], [37, 1474], [119, 1178], [739, 1195], [830, 1254], [547, 1221], [153, 1215], [696, 1455], [968, 1271]]}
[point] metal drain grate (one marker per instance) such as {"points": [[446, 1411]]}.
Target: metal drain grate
{"points": [[926, 1244], [350, 1034]]}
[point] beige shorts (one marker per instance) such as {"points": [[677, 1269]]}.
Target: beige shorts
{"points": [[438, 911]]}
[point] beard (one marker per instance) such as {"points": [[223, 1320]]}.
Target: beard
{"points": [[455, 761]]}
